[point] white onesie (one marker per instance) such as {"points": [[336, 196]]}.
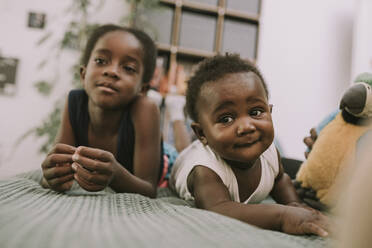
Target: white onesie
{"points": [[199, 154]]}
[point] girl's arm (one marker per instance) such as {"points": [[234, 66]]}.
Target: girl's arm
{"points": [[211, 194], [65, 133], [146, 161], [57, 171], [283, 191]]}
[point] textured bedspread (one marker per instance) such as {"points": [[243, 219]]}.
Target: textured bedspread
{"points": [[33, 217]]}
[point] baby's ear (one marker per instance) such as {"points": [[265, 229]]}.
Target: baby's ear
{"points": [[198, 130], [145, 87]]}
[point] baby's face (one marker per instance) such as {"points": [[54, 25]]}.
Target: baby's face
{"points": [[235, 118]]}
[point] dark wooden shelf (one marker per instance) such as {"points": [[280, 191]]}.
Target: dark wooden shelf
{"points": [[220, 12], [209, 9], [163, 47], [193, 5], [242, 15], [195, 52], [184, 51]]}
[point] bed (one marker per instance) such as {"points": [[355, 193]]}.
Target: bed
{"points": [[31, 216]]}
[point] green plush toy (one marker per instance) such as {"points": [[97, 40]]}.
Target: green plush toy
{"points": [[333, 153]]}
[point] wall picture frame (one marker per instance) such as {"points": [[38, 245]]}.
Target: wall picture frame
{"points": [[36, 20], [8, 71]]}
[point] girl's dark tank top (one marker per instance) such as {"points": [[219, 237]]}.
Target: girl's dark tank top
{"points": [[79, 119]]}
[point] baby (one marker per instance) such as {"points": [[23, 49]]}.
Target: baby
{"points": [[234, 164]]}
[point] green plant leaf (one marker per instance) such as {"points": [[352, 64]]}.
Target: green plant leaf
{"points": [[49, 129], [44, 87], [44, 38]]}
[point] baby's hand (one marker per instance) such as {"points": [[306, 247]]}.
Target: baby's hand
{"points": [[308, 196], [298, 204], [95, 168], [299, 220]]}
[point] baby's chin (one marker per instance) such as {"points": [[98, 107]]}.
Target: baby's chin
{"points": [[242, 164]]}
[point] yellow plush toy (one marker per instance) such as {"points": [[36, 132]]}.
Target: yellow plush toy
{"points": [[333, 153]]}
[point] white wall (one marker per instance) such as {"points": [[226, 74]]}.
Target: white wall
{"points": [[27, 108], [362, 42], [305, 53], [305, 56]]}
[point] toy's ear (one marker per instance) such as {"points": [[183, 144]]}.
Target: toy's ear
{"points": [[198, 130]]}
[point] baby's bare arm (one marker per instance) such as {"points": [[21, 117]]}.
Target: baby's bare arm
{"points": [[211, 194], [283, 191]]}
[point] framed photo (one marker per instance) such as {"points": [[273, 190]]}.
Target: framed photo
{"points": [[8, 69], [36, 20]]}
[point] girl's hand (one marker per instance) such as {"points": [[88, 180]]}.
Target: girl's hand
{"points": [[299, 220], [57, 172], [94, 168], [310, 140]]}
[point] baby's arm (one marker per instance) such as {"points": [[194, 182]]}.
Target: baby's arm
{"points": [[283, 191], [211, 194]]}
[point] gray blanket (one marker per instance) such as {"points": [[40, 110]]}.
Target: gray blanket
{"points": [[33, 217]]}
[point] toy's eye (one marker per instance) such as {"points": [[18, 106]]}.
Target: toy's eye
{"points": [[368, 88]]}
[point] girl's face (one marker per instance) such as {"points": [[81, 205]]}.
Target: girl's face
{"points": [[235, 118], [113, 75]]}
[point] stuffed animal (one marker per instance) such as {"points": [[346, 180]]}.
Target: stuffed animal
{"points": [[333, 153]]}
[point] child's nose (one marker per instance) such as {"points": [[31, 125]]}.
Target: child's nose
{"points": [[245, 126], [111, 71]]}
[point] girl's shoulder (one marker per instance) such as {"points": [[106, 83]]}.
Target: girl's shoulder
{"points": [[77, 95], [144, 109], [143, 103]]}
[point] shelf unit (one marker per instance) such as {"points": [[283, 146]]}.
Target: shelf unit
{"points": [[220, 13]]}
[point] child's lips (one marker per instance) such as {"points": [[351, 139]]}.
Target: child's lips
{"points": [[107, 87], [246, 144]]}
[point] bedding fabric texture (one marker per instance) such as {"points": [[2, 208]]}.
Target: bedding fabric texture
{"points": [[34, 217]]}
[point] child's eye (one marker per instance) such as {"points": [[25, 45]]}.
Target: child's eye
{"points": [[256, 112], [100, 61], [129, 69], [225, 119]]}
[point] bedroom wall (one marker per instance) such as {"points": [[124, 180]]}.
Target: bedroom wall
{"points": [[362, 40], [305, 53], [27, 108]]}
